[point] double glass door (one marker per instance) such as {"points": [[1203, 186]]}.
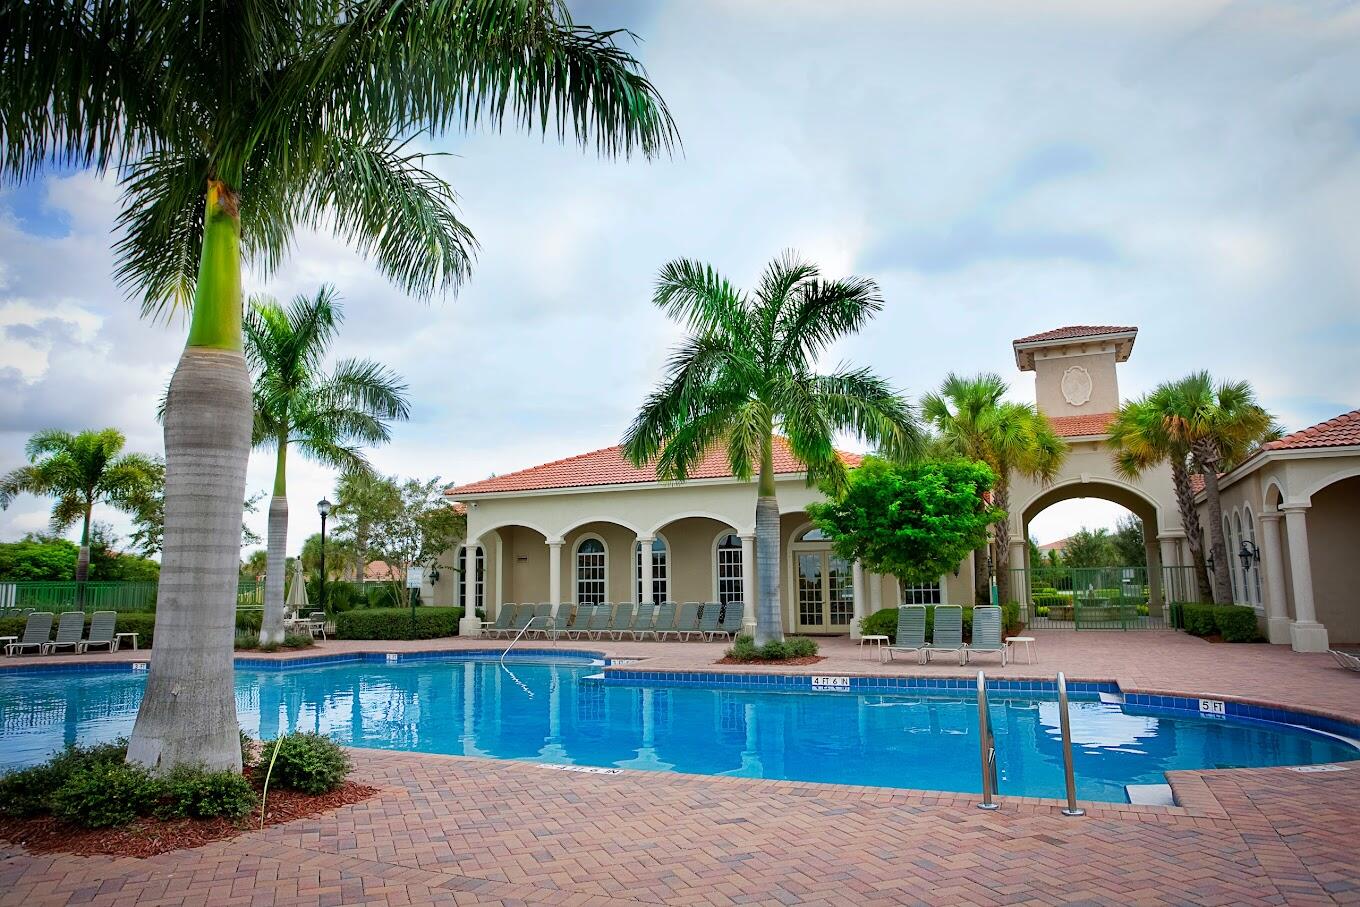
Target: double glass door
{"points": [[826, 592]]}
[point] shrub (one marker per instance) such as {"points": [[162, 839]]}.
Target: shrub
{"points": [[247, 751], [28, 792], [395, 623], [1236, 623], [884, 622], [1050, 599], [801, 646], [1198, 619], [311, 763], [383, 595], [249, 621], [744, 648], [196, 794], [774, 650], [104, 795]]}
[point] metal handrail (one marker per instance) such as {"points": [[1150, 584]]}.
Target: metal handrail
{"points": [[1064, 722], [987, 745], [518, 637]]}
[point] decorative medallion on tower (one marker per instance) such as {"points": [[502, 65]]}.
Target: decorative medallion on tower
{"points": [[1076, 385]]}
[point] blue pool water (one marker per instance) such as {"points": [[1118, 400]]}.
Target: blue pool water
{"points": [[544, 711]]}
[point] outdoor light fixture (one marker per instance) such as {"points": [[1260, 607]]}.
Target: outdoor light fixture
{"points": [[323, 507], [1209, 563], [1249, 554]]}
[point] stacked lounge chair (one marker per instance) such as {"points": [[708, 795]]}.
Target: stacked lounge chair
{"points": [[37, 633]]}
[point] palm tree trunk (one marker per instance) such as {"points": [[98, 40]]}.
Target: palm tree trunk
{"points": [[769, 627], [271, 627], [1194, 535], [188, 712], [1208, 462], [1001, 497], [83, 559]]}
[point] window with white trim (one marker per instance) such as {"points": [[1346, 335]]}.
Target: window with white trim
{"points": [[923, 593], [479, 582], [729, 569], [1231, 565], [590, 572], [1254, 571], [660, 570]]}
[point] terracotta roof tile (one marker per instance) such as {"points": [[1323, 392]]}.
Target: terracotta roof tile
{"points": [[1342, 431], [608, 467], [1196, 483], [1076, 330], [1081, 426]]}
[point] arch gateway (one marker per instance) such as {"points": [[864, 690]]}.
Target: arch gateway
{"points": [[575, 530]]}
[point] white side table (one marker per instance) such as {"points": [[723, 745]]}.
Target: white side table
{"points": [[118, 640], [875, 642], [1027, 642]]}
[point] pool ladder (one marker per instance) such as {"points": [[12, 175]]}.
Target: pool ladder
{"points": [[518, 637], [987, 747]]}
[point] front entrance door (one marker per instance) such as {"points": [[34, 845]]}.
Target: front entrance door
{"points": [[825, 592]]}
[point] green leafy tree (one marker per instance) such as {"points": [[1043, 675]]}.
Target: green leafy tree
{"points": [[360, 500], [37, 559], [1090, 548], [975, 421], [325, 417], [80, 470], [914, 521], [1129, 544], [746, 372], [233, 125], [255, 564]]}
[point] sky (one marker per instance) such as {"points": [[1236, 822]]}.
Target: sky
{"points": [[1000, 169]]}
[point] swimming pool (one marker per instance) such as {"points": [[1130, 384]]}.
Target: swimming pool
{"points": [[552, 711]]}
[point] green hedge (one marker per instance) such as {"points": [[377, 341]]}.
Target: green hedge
{"points": [[1234, 623], [1051, 599], [395, 623], [884, 622]]}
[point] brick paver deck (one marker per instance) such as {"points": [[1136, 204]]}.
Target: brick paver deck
{"points": [[470, 831]]}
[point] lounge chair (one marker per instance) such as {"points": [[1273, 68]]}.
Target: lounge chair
{"points": [[558, 623], [581, 625], [947, 634], [504, 614], [542, 619], [37, 632], [732, 616], [986, 635], [524, 617], [102, 625], [316, 623], [622, 622], [686, 622], [70, 633], [709, 619], [600, 621], [664, 621], [911, 633], [643, 620], [1347, 660]]}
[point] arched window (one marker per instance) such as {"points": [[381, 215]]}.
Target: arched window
{"points": [[479, 565], [814, 535], [1243, 584], [660, 570], [728, 567], [590, 572], [1230, 566], [1254, 571]]}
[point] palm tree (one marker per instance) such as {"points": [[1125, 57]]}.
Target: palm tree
{"points": [[80, 471], [1139, 441], [975, 421], [746, 372], [322, 416], [232, 125], [1217, 424]]}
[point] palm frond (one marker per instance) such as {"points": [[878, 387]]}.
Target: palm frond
{"points": [[696, 295], [821, 312], [867, 406]]}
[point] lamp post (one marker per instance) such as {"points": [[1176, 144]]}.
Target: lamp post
{"points": [[323, 507]]}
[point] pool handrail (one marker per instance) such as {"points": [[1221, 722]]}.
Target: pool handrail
{"points": [[1069, 776], [987, 745]]}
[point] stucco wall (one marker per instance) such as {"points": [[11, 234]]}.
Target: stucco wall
{"points": [[1333, 544]]}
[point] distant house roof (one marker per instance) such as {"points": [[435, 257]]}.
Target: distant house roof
{"points": [[1074, 333], [375, 571], [1341, 431], [1059, 546], [1088, 425], [609, 467]]}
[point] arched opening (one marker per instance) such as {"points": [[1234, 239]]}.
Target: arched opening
{"points": [[693, 571], [1333, 521], [1093, 567], [515, 566], [820, 583]]}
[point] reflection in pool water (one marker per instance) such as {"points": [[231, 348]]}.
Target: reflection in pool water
{"points": [[549, 712]]}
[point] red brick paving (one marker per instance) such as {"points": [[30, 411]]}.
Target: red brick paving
{"points": [[451, 830]]}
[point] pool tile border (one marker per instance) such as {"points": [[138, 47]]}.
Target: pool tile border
{"points": [[586, 657]]}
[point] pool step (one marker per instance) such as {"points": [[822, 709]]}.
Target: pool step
{"points": [[1150, 794], [1112, 698]]}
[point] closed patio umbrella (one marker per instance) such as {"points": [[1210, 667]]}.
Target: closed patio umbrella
{"points": [[296, 600]]}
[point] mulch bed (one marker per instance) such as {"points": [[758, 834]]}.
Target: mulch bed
{"points": [[805, 660], [149, 836]]}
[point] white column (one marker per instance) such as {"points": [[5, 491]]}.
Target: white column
{"points": [[555, 573], [1306, 634], [1172, 581], [857, 576], [1272, 561], [748, 581], [1018, 589], [469, 625], [875, 581], [647, 597]]}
